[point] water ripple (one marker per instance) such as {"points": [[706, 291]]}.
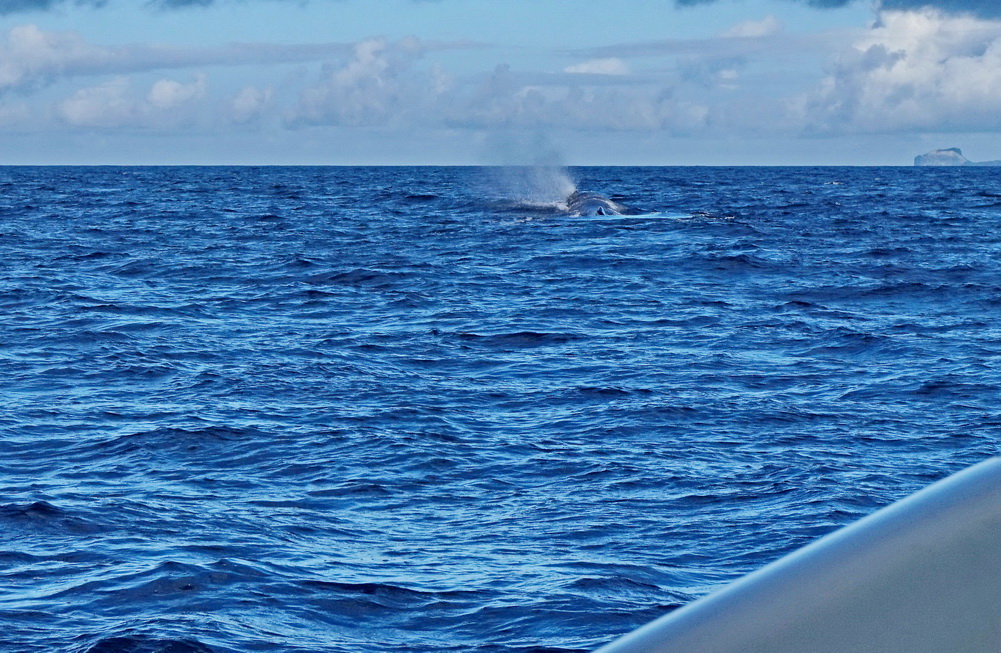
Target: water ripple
{"points": [[409, 409]]}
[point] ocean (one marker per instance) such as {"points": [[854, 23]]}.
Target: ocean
{"points": [[425, 409]]}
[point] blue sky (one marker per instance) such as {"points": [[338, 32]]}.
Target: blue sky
{"points": [[645, 82]]}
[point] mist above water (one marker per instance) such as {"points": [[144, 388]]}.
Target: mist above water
{"points": [[539, 186], [527, 170]]}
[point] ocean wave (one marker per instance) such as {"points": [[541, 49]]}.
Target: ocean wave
{"points": [[376, 410]]}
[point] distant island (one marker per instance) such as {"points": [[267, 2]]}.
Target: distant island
{"points": [[952, 156]]}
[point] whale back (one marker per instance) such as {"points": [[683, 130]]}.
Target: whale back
{"points": [[584, 203]]}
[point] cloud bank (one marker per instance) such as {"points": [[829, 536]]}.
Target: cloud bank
{"points": [[981, 8], [113, 104], [918, 70], [377, 85], [383, 85], [922, 70], [20, 6], [31, 58]]}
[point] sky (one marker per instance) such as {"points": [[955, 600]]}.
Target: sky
{"points": [[474, 82]]}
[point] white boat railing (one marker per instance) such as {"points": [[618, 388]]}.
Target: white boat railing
{"points": [[922, 575]]}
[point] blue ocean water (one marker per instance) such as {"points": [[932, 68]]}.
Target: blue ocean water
{"points": [[426, 409]]}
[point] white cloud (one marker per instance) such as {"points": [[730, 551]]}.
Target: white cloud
{"points": [[752, 29], [113, 104], [387, 85], [250, 103], [169, 94], [504, 100], [104, 105], [379, 85], [913, 70], [609, 66]]}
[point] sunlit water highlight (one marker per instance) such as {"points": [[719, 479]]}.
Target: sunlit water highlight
{"points": [[417, 409]]}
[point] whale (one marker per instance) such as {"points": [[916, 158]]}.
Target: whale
{"points": [[585, 203]]}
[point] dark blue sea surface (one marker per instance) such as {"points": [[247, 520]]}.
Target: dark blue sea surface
{"points": [[427, 409]]}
